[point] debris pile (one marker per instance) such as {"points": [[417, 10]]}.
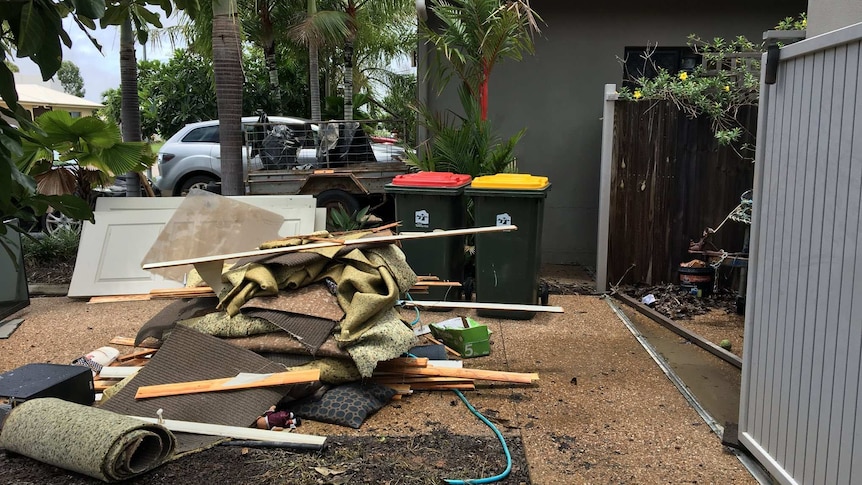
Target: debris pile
{"points": [[678, 303], [303, 327]]}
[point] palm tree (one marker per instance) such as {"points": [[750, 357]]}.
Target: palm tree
{"points": [[227, 68], [318, 28], [378, 9], [130, 109], [475, 35], [134, 19], [265, 10]]}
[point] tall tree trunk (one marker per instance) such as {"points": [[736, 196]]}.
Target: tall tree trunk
{"points": [[268, 39], [314, 68], [348, 61], [348, 80], [227, 67], [314, 81], [483, 90], [130, 111]]}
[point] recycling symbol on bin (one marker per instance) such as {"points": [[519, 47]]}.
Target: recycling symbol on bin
{"points": [[422, 218], [504, 219]]}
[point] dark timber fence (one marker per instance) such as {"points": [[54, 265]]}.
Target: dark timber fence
{"points": [[669, 181]]}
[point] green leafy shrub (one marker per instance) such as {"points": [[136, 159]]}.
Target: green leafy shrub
{"points": [[800, 22], [464, 144], [59, 246], [341, 220]]}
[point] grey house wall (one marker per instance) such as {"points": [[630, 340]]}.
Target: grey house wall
{"points": [[826, 15], [558, 94], [800, 394]]}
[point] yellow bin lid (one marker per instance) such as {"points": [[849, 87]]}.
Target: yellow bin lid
{"points": [[511, 181]]}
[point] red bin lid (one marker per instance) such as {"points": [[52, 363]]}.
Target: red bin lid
{"points": [[431, 179]]}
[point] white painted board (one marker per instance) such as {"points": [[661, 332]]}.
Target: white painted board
{"points": [[151, 203], [110, 254], [111, 250]]}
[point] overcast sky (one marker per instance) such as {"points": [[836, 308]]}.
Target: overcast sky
{"points": [[100, 70]]}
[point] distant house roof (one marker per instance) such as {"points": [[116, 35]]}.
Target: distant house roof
{"points": [[41, 95]]}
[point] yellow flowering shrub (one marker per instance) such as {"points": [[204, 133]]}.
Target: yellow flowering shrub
{"points": [[717, 94]]}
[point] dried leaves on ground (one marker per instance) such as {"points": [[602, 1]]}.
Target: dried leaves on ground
{"points": [[52, 273], [677, 303]]}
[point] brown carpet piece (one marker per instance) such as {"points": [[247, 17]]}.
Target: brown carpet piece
{"points": [[311, 332], [288, 360], [188, 355], [283, 343], [163, 321], [285, 259], [314, 300]]}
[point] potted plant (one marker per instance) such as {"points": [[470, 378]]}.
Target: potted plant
{"points": [[474, 35]]}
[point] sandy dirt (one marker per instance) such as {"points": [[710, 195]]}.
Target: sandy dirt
{"points": [[602, 412]]}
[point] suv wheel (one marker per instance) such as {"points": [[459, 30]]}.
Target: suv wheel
{"points": [[196, 182], [55, 221]]}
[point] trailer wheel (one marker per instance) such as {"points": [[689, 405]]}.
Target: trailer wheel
{"points": [[338, 198], [334, 198]]}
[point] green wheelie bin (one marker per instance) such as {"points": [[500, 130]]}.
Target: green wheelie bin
{"points": [[427, 201], [507, 263]]}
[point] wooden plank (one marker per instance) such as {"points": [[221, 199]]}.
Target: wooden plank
{"points": [[395, 379], [352, 242], [237, 432], [133, 363], [682, 332], [481, 306], [477, 374], [128, 341], [118, 298], [405, 362], [100, 385], [401, 388], [194, 290], [135, 355], [214, 385], [443, 387], [118, 372]]}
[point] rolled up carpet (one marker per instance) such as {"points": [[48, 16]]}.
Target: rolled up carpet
{"points": [[87, 440]]}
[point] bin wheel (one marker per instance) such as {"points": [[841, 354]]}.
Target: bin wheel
{"points": [[544, 292], [468, 287]]}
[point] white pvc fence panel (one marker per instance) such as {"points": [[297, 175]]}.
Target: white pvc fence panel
{"points": [[803, 327]]}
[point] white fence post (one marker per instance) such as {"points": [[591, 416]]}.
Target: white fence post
{"points": [[610, 97]]}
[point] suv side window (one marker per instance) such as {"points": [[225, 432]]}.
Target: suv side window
{"points": [[204, 134]]}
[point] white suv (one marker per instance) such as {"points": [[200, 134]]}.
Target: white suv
{"points": [[192, 157]]}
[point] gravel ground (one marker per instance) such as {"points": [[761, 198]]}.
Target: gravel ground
{"points": [[602, 412]]}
